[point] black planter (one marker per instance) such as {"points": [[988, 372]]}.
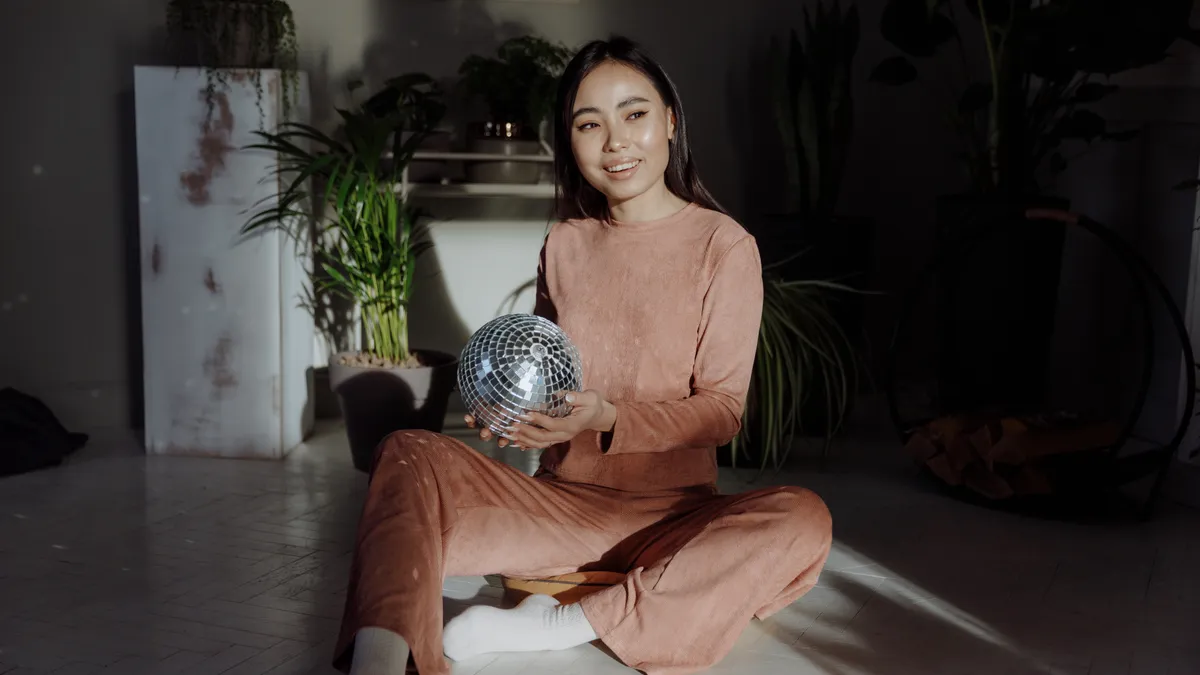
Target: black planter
{"points": [[378, 401], [997, 300]]}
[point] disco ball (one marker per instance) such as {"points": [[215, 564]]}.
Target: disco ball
{"points": [[516, 364]]}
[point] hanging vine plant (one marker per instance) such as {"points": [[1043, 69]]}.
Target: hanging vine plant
{"points": [[225, 36]]}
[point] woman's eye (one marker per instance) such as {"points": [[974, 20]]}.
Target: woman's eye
{"points": [[636, 115], [587, 125]]}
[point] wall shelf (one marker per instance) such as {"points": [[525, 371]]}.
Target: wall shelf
{"points": [[451, 189], [423, 156], [526, 191]]}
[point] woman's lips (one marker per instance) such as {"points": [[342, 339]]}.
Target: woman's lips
{"points": [[624, 170]]}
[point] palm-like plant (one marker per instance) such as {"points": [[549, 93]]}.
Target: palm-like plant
{"points": [[814, 107], [367, 238], [802, 350]]}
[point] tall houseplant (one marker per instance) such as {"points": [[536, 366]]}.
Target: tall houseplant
{"points": [[225, 36], [367, 242], [1047, 62], [518, 87], [812, 99], [813, 104]]}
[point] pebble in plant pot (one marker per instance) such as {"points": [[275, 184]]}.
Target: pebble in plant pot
{"points": [[518, 87]]}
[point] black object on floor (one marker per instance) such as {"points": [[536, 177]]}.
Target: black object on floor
{"points": [[31, 437]]}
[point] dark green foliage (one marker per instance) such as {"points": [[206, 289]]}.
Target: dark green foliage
{"points": [[220, 35], [1045, 60], [518, 83], [368, 243]]}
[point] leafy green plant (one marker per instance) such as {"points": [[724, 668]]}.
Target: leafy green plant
{"points": [[814, 106], [802, 350], [231, 34], [520, 82], [1047, 62], [368, 237]]}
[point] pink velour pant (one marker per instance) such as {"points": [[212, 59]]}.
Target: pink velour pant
{"points": [[699, 565]]}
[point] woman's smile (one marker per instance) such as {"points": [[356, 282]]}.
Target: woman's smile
{"points": [[623, 169]]}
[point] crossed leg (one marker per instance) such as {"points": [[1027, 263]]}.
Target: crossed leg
{"points": [[699, 565], [437, 508], [697, 579]]}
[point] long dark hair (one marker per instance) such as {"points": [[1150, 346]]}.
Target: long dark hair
{"points": [[576, 197]]}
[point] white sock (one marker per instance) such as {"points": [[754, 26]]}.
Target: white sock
{"points": [[538, 624], [378, 651]]}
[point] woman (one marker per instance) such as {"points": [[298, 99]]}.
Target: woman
{"points": [[662, 293]]}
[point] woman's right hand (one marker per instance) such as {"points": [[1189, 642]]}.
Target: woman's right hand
{"points": [[485, 434]]}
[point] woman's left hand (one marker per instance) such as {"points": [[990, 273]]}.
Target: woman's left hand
{"points": [[589, 412]]}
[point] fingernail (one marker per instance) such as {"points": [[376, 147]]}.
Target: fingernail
{"points": [[524, 418], [570, 398]]}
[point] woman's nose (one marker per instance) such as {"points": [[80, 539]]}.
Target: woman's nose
{"points": [[617, 141]]}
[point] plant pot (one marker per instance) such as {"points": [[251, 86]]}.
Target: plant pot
{"points": [[326, 406], [503, 139], [377, 401], [997, 300]]}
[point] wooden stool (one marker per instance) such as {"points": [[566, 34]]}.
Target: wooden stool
{"points": [[566, 588]]}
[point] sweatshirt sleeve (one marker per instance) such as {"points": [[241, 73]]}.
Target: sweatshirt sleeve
{"points": [[727, 339]]}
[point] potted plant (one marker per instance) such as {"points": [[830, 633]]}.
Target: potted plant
{"points": [[1047, 64], [518, 86], [813, 104], [235, 39], [803, 356], [367, 246]]}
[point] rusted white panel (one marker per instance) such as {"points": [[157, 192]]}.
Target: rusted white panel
{"points": [[227, 349]]}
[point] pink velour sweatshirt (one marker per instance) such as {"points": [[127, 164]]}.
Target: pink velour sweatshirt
{"points": [[666, 316]]}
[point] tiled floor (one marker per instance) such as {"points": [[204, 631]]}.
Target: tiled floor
{"points": [[127, 565]]}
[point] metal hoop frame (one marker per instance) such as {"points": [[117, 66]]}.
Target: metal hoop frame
{"points": [[1145, 280]]}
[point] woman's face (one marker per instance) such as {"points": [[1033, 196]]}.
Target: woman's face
{"points": [[620, 132]]}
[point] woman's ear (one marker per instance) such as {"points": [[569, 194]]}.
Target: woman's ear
{"points": [[670, 124]]}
